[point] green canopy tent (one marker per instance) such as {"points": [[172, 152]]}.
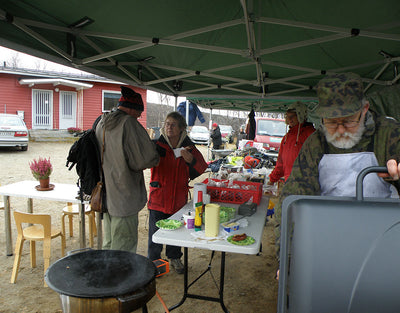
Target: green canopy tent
{"points": [[259, 50]]}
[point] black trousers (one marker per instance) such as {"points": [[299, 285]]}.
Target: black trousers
{"points": [[154, 249]]}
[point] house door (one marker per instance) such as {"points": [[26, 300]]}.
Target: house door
{"points": [[67, 109], [42, 109]]}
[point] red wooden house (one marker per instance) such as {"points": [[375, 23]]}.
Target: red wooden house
{"points": [[48, 100]]}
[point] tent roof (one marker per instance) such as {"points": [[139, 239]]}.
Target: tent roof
{"points": [[221, 49]]}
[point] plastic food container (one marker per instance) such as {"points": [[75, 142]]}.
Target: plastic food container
{"points": [[230, 227], [226, 214]]}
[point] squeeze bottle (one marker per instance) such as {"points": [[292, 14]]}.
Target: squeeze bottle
{"points": [[198, 217]]}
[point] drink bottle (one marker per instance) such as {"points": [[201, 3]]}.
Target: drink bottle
{"points": [[198, 217]]}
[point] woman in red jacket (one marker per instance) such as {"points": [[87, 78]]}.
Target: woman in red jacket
{"points": [[299, 130], [180, 161]]}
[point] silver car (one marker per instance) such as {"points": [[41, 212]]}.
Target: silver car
{"points": [[227, 133], [13, 132], [200, 135]]}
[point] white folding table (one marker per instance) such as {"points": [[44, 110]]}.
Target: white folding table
{"points": [[26, 189], [183, 238]]}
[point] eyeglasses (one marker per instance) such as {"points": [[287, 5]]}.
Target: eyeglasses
{"points": [[290, 115], [172, 125], [346, 124]]}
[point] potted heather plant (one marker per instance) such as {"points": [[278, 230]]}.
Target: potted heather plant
{"points": [[74, 130], [41, 170]]}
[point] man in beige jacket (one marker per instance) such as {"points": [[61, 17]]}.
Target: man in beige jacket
{"points": [[128, 150]]}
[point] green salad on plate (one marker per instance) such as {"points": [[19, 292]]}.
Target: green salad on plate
{"points": [[169, 224]]}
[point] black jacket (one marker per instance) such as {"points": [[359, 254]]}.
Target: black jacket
{"points": [[216, 137]]}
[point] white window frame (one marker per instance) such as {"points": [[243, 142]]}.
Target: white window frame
{"points": [[34, 125], [103, 95]]}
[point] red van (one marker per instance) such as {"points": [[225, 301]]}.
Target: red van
{"points": [[270, 132]]}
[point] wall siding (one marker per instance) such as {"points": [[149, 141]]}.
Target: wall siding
{"points": [[15, 97]]}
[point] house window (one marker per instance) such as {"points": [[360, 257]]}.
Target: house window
{"points": [[110, 100]]}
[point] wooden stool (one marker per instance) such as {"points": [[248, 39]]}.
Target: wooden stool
{"points": [[71, 210]]}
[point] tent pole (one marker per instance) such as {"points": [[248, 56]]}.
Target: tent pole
{"points": [[176, 102], [209, 141], [187, 112]]}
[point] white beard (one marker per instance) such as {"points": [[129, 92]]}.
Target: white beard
{"points": [[346, 140]]}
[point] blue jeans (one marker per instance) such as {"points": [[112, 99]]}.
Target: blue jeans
{"points": [[154, 249]]}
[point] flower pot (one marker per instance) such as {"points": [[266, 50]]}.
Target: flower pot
{"points": [[44, 183]]}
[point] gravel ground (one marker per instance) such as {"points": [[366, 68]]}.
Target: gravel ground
{"points": [[249, 279]]}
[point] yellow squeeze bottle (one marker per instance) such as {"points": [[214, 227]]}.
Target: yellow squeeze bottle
{"points": [[198, 217]]}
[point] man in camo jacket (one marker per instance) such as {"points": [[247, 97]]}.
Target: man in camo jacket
{"points": [[350, 138]]}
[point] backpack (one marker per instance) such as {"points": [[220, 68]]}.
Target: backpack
{"points": [[85, 155]]}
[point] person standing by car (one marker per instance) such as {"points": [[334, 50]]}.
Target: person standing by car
{"points": [[299, 130], [128, 150], [216, 138], [242, 135], [180, 161]]}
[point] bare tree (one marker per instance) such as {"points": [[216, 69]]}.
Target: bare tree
{"points": [[40, 65], [15, 60]]}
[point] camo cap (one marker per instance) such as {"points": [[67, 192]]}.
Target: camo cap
{"points": [[339, 95]]}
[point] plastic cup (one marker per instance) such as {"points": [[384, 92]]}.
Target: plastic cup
{"points": [[188, 221]]}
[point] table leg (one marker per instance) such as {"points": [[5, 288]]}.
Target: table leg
{"points": [[29, 205], [29, 208], [7, 221], [222, 282], [186, 286], [82, 235], [185, 280]]}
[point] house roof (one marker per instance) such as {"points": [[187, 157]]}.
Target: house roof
{"points": [[28, 72], [55, 82]]}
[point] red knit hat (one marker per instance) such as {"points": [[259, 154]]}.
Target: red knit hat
{"points": [[131, 99], [215, 125]]}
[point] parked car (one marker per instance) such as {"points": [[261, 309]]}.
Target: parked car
{"points": [[157, 132], [227, 133], [200, 135], [13, 132], [270, 132]]}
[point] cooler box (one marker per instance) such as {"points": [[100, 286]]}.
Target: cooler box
{"points": [[343, 255]]}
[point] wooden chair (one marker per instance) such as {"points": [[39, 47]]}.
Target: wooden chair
{"points": [[71, 210], [40, 230]]}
